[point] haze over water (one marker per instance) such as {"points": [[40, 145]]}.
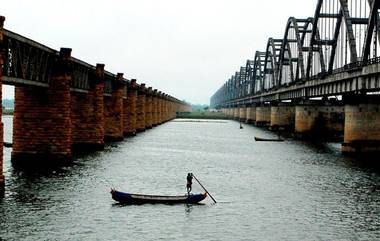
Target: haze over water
{"points": [[265, 191]]}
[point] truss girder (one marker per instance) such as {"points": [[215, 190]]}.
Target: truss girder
{"points": [[313, 48]]}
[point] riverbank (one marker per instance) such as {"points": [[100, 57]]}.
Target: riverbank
{"points": [[202, 115], [8, 112]]}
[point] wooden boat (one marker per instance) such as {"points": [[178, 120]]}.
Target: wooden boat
{"points": [[129, 198], [265, 139]]}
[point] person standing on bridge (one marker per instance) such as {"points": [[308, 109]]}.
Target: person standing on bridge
{"points": [[189, 182]]}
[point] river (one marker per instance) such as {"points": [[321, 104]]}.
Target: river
{"points": [[265, 191]]}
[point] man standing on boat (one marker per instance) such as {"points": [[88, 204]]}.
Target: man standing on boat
{"points": [[189, 182]]}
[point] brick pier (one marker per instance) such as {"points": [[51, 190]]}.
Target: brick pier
{"points": [[63, 104], [140, 119], [42, 119]]}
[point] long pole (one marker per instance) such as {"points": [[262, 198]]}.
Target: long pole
{"points": [[204, 188]]}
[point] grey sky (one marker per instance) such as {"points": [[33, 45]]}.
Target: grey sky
{"points": [[185, 48]]}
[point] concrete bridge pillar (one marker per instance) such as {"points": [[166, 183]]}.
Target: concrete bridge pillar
{"points": [[42, 121], [2, 60], [231, 112], [227, 112], [113, 111], [130, 128], [251, 114], [87, 117], [263, 115], [305, 120], [362, 125], [140, 123], [319, 120], [154, 108], [242, 113], [282, 117], [236, 113], [148, 108]]}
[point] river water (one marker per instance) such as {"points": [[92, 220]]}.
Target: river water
{"points": [[265, 191]]}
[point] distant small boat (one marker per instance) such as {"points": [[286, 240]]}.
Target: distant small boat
{"points": [[8, 144], [129, 198], [267, 139]]}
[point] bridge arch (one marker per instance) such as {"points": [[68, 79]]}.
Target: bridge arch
{"points": [[258, 71], [338, 33], [271, 63], [372, 36], [294, 51], [250, 76]]}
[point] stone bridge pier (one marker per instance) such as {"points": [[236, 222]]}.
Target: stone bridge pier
{"points": [[227, 112], [113, 111], [131, 112], [251, 114], [154, 108], [362, 124], [231, 111], [162, 108], [263, 115], [319, 119], [159, 108], [140, 121], [148, 108], [282, 116], [166, 108], [235, 113], [87, 114], [242, 113], [41, 123]]}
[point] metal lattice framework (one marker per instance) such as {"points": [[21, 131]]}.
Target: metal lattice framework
{"points": [[343, 36], [29, 63]]}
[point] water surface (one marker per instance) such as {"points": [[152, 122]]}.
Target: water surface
{"points": [[265, 191]]}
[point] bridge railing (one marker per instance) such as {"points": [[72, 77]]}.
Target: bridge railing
{"points": [[81, 74], [31, 63], [27, 62], [108, 80]]}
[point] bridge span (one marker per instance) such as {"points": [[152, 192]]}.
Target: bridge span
{"points": [[321, 78], [63, 103]]}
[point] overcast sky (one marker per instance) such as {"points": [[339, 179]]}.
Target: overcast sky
{"points": [[187, 49]]}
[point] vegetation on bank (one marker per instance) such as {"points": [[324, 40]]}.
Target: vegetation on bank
{"points": [[8, 106], [201, 114], [8, 111]]}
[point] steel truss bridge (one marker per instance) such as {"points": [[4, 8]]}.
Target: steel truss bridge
{"points": [[336, 52]]}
